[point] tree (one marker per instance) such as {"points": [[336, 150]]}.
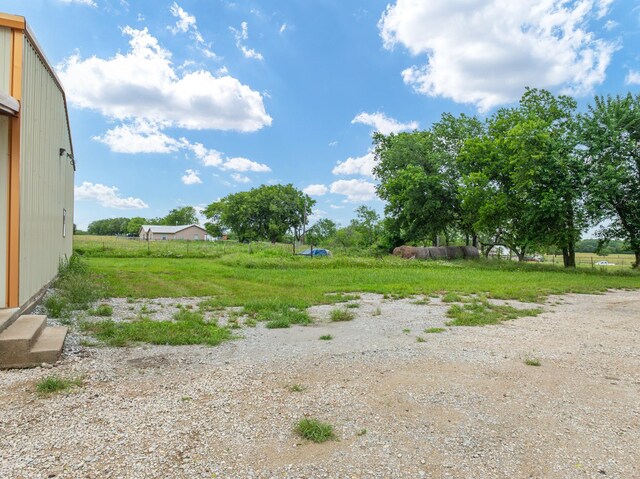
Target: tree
{"points": [[611, 136], [321, 231], [134, 224], [108, 227], [367, 222], [181, 216], [264, 213]]}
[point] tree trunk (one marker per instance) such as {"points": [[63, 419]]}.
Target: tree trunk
{"points": [[475, 240], [521, 256], [636, 265], [466, 239], [569, 255]]}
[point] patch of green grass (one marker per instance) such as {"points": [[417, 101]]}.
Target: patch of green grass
{"points": [[326, 337], [56, 306], [482, 312], [340, 314], [421, 301], [55, 384], [186, 315], [277, 313], [532, 362], [296, 388], [376, 312], [144, 330], [250, 322], [102, 310], [452, 297], [406, 330], [435, 330], [361, 432], [352, 305], [420, 339], [314, 430]]}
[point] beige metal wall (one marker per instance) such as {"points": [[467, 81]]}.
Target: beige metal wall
{"points": [[46, 177], [189, 234], [5, 81]]}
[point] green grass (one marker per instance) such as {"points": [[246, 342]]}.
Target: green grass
{"points": [[314, 430], [435, 330], [532, 362], [482, 312], [352, 305], [189, 316], [296, 388], [144, 330], [451, 297], [420, 339], [326, 337], [55, 384], [277, 313], [56, 306], [102, 310], [340, 314]]}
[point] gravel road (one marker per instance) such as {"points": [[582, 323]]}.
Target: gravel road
{"points": [[460, 404]]}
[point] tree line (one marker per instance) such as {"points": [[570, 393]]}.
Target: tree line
{"points": [[185, 215], [531, 177]]}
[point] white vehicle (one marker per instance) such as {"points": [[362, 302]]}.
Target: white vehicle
{"points": [[604, 263]]}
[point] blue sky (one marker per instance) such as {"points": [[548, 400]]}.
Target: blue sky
{"points": [[181, 103]]}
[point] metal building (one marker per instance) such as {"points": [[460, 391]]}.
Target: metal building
{"points": [[36, 170]]}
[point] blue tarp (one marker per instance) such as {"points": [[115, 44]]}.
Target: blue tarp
{"points": [[316, 252]]}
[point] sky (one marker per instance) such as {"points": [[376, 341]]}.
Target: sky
{"points": [[182, 103]]}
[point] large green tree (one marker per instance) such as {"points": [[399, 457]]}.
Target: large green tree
{"points": [[268, 212], [108, 227], [611, 137], [185, 215], [321, 231]]}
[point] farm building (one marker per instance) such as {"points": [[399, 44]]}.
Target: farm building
{"points": [[36, 184], [181, 232]]}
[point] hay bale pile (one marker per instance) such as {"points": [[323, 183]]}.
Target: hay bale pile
{"points": [[437, 252]]}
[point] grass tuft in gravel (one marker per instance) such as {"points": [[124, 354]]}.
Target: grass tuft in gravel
{"points": [[352, 306], [326, 337], [296, 388], [56, 306], [339, 314], [481, 312], [102, 310], [278, 313], [143, 330], [189, 316], [420, 339], [314, 430], [55, 384], [532, 362], [435, 330], [451, 297]]}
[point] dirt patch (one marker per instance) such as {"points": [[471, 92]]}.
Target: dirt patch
{"points": [[463, 403]]}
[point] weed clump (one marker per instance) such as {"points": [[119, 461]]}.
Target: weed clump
{"points": [[342, 315], [55, 384], [314, 430], [480, 312]]}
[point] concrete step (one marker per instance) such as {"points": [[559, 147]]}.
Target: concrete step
{"points": [[47, 348], [45, 345], [7, 316]]}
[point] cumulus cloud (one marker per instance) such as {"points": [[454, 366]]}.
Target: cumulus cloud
{"points": [[243, 165], [241, 36], [139, 137], [89, 3], [355, 190], [107, 196], [191, 177], [485, 53], [632, 78], [238, 178], [362, 165], [315, 190], [142, 84], [186, 23], [382, 123]]}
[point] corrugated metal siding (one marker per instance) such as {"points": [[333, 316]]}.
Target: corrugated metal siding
{"points": [[46, 178], [4, 200], [5, 59]]}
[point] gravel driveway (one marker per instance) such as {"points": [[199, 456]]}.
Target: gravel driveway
{"points": [[460, 404]]}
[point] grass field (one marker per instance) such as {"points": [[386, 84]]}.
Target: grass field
{"points": [[235, 274]]}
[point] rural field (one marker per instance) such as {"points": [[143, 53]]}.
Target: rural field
{"points": [[226, 360]]}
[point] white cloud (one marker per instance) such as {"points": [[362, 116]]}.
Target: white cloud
{"points": [[283, 28], [242, 165], [107, 196], [632, 78], [336, 207], [355, 190], [485, 53], [89, 3], [187, 24], [143, 85], [315, 190], [139, 137], [383, 123], [333, 143], [610, 25], [191, 177], [362, 165], [241, 36], [603, 7], [238, 178]]}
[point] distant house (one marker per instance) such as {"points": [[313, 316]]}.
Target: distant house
{"points": [[181, 232], [502, 252]]}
